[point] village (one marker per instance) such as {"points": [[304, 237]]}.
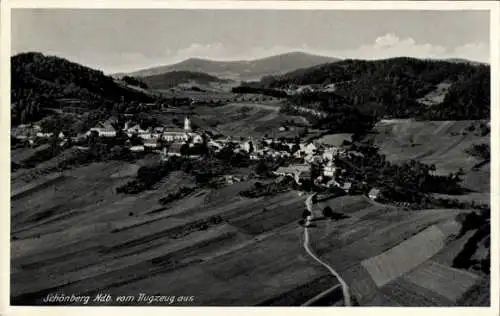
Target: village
{"points": [[305, 162]]}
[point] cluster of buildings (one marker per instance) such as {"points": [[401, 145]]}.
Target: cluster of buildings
{"points": [[32, 132], [323, 157], [153, 137], [150, 138], [169, 141]]}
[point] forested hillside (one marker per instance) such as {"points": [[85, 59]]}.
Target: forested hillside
{"points": [[174, 78], [134, 82], [40, 82], [391, 87]]}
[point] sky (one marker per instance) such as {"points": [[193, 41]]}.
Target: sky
{"points": [[123, 40]]}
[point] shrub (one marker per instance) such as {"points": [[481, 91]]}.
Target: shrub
{"points": [[327, 212]]}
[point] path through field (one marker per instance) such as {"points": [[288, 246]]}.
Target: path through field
{"points": [[345, 288]]}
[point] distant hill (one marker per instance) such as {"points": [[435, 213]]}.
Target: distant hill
{"points": [[465, 61], [395, 87], [174, 78], [40, 82], [243, 69]]}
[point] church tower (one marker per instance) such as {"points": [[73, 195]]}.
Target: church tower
{"points": [[187, 124]]}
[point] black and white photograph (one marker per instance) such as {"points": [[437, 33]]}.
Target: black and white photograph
{"points": [[264, 156]]}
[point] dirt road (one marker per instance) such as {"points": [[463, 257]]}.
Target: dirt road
{"points": [[345, 287]]}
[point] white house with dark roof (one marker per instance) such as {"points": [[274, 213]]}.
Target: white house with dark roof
{"points": [[329, 170], [374, 194], [103, 130]]}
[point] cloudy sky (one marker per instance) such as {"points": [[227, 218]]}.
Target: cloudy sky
{"points": [[126, 40]]}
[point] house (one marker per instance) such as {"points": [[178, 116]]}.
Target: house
{"points": [[103, 130], [355, 153], [329, 170], [304, 89], [299, 154], [136, 130], [63, 143], [44, 135], [330, 153], [131, 129], [173, 150], [196, 138], [310, 148], [346, 186], [215, 144], [248, 145], [284, 154], [313, 159], [151, 143], [292, 169], [226, 140], [302, 175], [137, 148], [268, 141], [374, 194], [254, 156], [332, 183], [330, 87]]}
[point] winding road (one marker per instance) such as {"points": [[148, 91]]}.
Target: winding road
{"points": [[345, 287]]}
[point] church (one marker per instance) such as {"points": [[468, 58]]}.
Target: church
{"points": [[181, 135]]}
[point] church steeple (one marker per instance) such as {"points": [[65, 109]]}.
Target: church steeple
{"points": [[187, 124]]}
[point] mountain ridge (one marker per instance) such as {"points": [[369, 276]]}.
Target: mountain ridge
{"points": [[239, 69]]}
